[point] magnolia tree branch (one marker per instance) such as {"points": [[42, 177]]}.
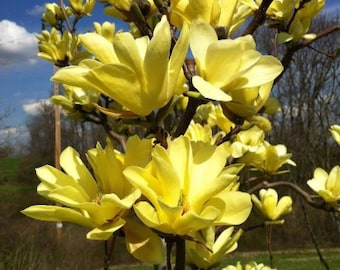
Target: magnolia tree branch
{"points": [[287, 58], [259, 17]]}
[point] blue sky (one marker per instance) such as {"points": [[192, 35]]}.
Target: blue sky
{"points": [[24, 79]]}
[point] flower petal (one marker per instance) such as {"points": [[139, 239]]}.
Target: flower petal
{"points": [[208, 90], [143, 243], [56, 213], [105, 231]]}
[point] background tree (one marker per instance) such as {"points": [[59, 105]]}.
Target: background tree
{"points": [[308, 94]]}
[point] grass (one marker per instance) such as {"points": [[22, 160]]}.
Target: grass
{"points": [[8, 169], [291, 260]]}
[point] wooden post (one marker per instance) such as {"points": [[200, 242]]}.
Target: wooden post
{"points": [[57, 148]]}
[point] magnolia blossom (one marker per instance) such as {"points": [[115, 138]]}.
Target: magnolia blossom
{"points": [[270, 206], [186, 188], [207, 251], [140, 74], [74, 98], [197, 132], [229, 14], [59, 49], [326, 185], [247, 140], [80, 8], [232, 71], [102, 202], [53, 14], [268, 158], [129, 10], [248, 266]]}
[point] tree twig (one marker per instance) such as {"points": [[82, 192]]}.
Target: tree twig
{"points": [[312, 234], [287, 58], [259, 17]]}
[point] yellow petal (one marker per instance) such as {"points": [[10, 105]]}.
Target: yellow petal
{"points": [[333, 181], [99, 46], [176, 61], [128, 54], [116, 113], [74, 76], [148, 215], [105, 231], [56, 213], [113, 80], [73, 166], [148, 184], [283, 207], [125, 203], [223, 60], [199, 45], [266, 69], [191, 221], [156, 60], [138, 152], [208, 90], [237, 207], [52, 178], [335, 131], [143, 243], [68, 196]]}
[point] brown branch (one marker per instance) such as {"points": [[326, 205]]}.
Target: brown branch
{"points": [[306, 43], [68, 23], [259, 17]]}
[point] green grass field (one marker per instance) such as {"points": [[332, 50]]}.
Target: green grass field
{"points": [[8, 169], [287, 260]]}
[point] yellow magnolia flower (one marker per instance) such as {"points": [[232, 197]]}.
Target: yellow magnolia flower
{"points": [[335, 132], [59, 49], [53, 14], [268, 158], [107, 30], [139, 74], [101, 203], [232, 71], [129, 10], [196, 132], [207, 251], [188, 189], [270, 206], [229, 14], [80, 8], [75, 98], [326, 185], [217, 117], [247, 140], [248, 266]]}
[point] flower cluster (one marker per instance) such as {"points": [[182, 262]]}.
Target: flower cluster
{"points": [[197, 94]]}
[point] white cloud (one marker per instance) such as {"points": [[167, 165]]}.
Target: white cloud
{"points": [[17, 45], [36, 10], [34, 107]]}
